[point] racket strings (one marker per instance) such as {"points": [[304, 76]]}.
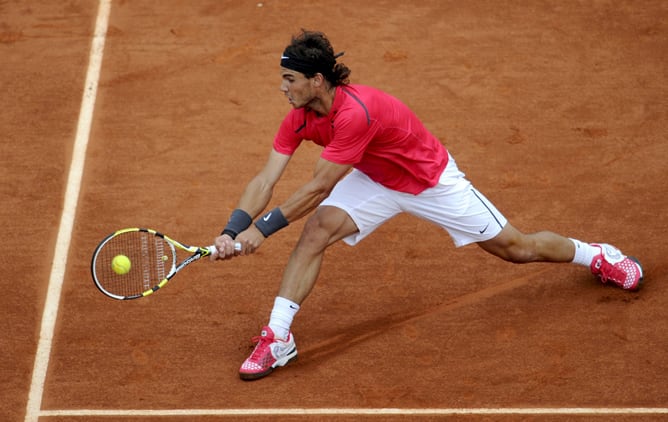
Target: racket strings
{"points": [[151, 260]]}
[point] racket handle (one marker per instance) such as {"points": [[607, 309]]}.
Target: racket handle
{"points": [[212, 248]]}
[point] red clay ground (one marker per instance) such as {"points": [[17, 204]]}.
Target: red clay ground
{"points": [[555, 110]]}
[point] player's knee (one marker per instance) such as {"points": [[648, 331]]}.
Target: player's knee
{"points": [[518, 254], [517, 248], [314, 235]]}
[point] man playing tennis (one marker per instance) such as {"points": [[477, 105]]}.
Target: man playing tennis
{"points": [[378, 160]]}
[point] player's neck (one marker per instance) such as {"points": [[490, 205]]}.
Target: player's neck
{"points": [[322, 104]]}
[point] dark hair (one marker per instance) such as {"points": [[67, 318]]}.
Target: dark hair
{"points": [[310, 52]]}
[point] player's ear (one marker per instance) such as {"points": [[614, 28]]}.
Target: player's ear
{"points": [[318, 80]]}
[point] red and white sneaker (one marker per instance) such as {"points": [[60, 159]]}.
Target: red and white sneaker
{"points": [[613, 266], [269, 353]]}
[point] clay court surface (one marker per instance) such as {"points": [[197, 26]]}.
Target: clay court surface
{"points": [[556, 110]]}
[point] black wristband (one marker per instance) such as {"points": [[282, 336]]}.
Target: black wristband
{"points": [[271, 222], [239, 221]]}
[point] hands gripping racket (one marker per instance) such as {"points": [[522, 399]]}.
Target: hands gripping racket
{"points": [[135, 262]]}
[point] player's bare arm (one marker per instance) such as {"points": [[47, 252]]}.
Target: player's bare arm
{"points": [[301, 203], [309, 196], [255, 198], [260, 189]]}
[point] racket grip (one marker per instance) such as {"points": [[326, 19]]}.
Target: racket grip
{"points": [[212, 248]]}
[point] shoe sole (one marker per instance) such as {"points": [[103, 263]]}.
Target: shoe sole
{"points": [[291, 357]]}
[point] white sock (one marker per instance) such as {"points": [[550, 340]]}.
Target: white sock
{"points": [[584, 253], [281, 317]]}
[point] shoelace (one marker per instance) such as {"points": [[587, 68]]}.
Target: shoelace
{"points": [[609, 272], [260, 347]]}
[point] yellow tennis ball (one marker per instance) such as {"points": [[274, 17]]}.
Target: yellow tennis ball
{"points": [[121, 264]]}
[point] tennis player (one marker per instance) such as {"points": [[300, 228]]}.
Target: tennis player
{"points": [[378, 160]]}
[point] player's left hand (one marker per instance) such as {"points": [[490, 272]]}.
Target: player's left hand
{"points": [[250, 240]]}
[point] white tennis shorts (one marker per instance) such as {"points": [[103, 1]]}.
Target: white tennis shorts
{"points": [[453, 204]]}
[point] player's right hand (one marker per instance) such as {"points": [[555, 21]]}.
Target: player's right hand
{"points": [[224, 248]]}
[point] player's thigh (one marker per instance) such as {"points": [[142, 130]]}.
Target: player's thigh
{"points": [[367, 204], [328, 225], [466, 214]]}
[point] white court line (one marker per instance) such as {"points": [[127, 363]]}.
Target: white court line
{"points": [[364, 412], [67, 218]]}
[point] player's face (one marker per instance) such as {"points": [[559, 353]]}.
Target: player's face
{"points": [[297, 87]]}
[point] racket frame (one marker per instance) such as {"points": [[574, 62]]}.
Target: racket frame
{"points": [[196, 251]]}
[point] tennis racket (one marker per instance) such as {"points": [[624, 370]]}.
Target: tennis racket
{"points": [[136, 262]]}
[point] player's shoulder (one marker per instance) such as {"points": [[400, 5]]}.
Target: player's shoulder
{"points": [[362, 101], [365, 95], [360, 91]]}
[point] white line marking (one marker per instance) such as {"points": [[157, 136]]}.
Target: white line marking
{"points": [[67, 218], [363, 412]]}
